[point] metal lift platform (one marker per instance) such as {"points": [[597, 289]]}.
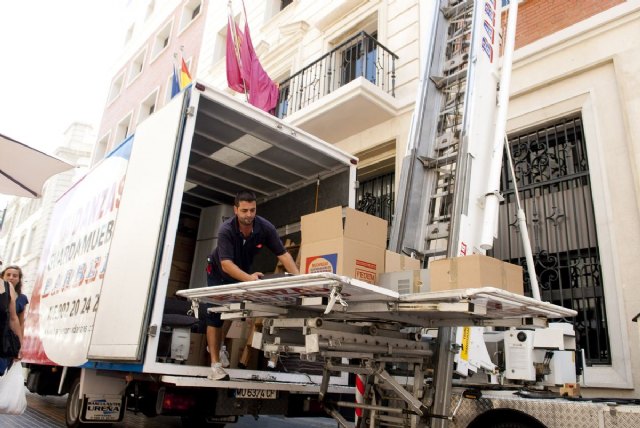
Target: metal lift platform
{"points": [[369, 331]]}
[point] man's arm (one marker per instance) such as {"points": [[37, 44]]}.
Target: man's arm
{"points": [[288, 263], [232, 269]]}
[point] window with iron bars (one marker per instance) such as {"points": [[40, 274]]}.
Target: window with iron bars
{"points": [[376, 196], [552, 173]]}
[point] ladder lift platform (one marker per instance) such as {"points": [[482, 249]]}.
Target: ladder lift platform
{"points": [[353, 327], [332, 297]]}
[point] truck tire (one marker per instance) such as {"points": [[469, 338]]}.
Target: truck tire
{"points": [[505, 418], [74, 406], [512, 424], [199, 422]]}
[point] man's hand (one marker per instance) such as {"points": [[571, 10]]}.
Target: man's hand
{"points": [[238, 274], [256, 276], [288, 263]]}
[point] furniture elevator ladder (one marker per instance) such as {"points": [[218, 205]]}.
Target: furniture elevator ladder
{"points": [[434, 216]]}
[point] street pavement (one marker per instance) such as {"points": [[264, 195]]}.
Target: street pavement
{"points": [[49, 412]]}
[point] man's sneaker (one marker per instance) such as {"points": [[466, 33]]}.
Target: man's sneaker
{"points": [[218, 373]]}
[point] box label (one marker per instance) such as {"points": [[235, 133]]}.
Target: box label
{"points": [[366, 276], [324, 263], [365, 271], [366, 265]]}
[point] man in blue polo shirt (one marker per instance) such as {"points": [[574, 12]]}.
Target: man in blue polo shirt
{"points": [[239, 239]]}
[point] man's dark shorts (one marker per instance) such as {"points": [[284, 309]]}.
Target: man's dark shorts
{"points": [[213, 318]]}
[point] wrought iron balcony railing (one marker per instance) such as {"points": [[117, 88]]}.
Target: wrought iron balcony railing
{"points": [[360, 56]]}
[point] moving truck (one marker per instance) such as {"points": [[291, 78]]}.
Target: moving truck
{"points": [[103, 324]]}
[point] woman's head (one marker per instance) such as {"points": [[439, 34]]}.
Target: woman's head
{"points": [[13, 275]]}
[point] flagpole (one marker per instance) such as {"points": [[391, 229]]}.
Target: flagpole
{"points": [[236, 46]]}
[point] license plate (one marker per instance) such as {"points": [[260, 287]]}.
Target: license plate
{"points": [[104, 409], [264, 394]]}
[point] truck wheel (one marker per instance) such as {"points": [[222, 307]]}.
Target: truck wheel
{"points": [[74, 406], [199, 422], [512, 424], [72, 409]]}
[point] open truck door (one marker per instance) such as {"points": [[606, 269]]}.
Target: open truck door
{"points": [[137, 246]]}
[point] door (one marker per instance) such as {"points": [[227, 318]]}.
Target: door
{"points": [[119, 331]]}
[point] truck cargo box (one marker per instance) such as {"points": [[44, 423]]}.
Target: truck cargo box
{"points": [[138, 227]]}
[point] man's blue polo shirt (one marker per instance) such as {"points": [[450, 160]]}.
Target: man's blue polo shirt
{"points": [[232, 246]]}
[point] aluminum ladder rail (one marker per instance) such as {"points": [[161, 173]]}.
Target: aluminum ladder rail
{"points": [[444, 154]]}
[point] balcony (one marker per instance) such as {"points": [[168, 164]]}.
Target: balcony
{"points": [[346, 91]]}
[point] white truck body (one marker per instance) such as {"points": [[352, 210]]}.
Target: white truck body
{"points": [[99, 296]]}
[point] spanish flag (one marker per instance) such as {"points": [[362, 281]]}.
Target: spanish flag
{"points": [[185, 77]]}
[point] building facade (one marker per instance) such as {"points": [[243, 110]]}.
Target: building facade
{"points": [[26, 220], [349, 71]]}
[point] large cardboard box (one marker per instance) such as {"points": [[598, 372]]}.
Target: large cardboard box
{"points": [[475, 271], [394, 262], [352, 246]]}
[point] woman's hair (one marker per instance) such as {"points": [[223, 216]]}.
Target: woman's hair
{"points": [[18, 286]]}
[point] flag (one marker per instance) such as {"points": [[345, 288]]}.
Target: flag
{"points": [[234, 76], [185, 77], [175, 86], [263, 92]]}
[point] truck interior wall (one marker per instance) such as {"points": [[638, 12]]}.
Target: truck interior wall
{"points": [[288, 208]]}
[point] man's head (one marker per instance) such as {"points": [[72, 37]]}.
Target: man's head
{"points": [[244, 195], [245, 207]]}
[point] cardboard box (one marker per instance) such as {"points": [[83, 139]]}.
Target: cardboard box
{"points": [[353, 246], [475, 271], [239, 329], [394, 262]]}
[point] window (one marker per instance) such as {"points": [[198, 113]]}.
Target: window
{"points": [[552, 173], [122, 131], [190, 12], [116, 87], [358, 58], [148, 106], [376, 196], [220, 47], [284, 96], [376, 176], [357, 53], [195, 12], [100, 150], [32, 235], [20, 247], [135, 69], [274, 7], [285, 3], [129, 35], [150, 7], [161, 40]]}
